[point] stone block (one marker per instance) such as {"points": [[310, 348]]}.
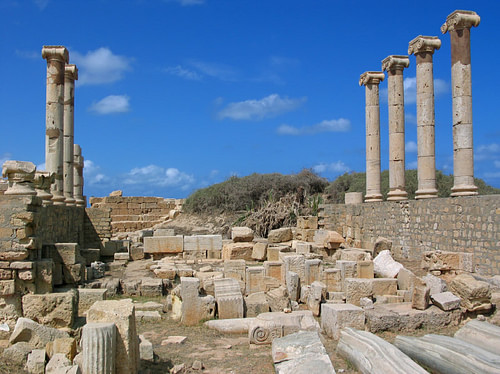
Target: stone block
{"points": [[316, 296], [445, 301], [255, 304], [364, 269], [384, 286], [66, 346], [280, 235], [306, 235], [194, 255], [163, 244], [35, 363], [273, 269], [122, 314], [333, 280], [357, 288], [98, 269], [146, 349], [136, 253], [381, 244], [90, 255], [303, 248], [292, 282], [147, 316], [200, 243], [122, 256], [237, 251], [421, 295], [436, 284], [242, 234], [297, 264], [215, 254], [10, 311], [447, 261], [7, 287], [475, 294], [194, 308], [229, 298], [131, 287], [65, 253], [347, 270], [307, 222], [385, 266], [406, 279], [164, 232], [254, 279], [51, 309], [151, 287], [36, 335], [88, 296], [278, 299], [328, 239], [235, 269], [73, 274], [259, 252], [351, 254], [334, 317], [313, 270]]}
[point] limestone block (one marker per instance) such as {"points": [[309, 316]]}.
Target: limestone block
{"points": [[333, 280], [280, 235], [36, 335], [66, 346], [313, 270], [235, 269], [364, 269], [278, 299], [351, 254], [7, 287], [237, 251], [242, 234], [136, 253], [201, 243], [306, 235], [293, 285], [384, 286], [307, 222], [406, 280], [146, 349], [122, 314], [35, 363], [303, 248], [273, 253], [316, 296], [445, 301], [10, 311], [482, 334], [88, 296], [164, 232], [384, 265], [334, 317], [264, 332], [371, 354], [447, 261], [381, 244], [475, 294], [297, 264], [328, 239], [230, 326], [151, 287], [229, 298], [65, 253], [163, 244], [421, 295], [51, 309], [255, 279], [353, 198], [436, 284], [16, 353], [255, 304], [73, 274], [357, 288], [58, 364], [194, 308], [131, 287], [183, 271], [273, 269], [259, 251]]}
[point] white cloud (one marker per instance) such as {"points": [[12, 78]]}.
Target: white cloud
{"points": [[334, 167], [32, 55], [410, 118], [214, 70], [100, 66], [111, 104], [410, 89], [41, 4], [411, 147], [333, 125], [181, 72], [159, 176], [92, 174], [487, 152], [266, 107]]}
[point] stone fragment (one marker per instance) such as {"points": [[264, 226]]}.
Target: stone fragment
{"points": [[371, 354], [98, 347], [278, 299], [122, 256], [293, 285], [328, 239], [17, 353], [436, 284], [421, 295], [280, 235], [147, 316], [333, 280], [366, 303], [151, 287], [307, 222], [207, 280], [122, 314], [447, 261], [174, 339], [381, 244], [163, 244], [406, 279], [242, 234], [264, 331], [66, 346], [197, 365], [445, 301], [259, 251], [313, 270], [237, 251], [230, 326], [475, 294], [87, 297], [255, 304], [35, 363], [52, 309], [254, 279], [334, 317], [316, 296], [58, 364], [482, 334], [146, 349], [34, 334], [364, 269], [229, 298], [384, 265]]}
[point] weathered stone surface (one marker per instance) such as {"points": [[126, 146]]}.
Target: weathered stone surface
{"points": [[195, 308], [333, 280], [58, 364], [278, 299], [302, 248], [364, 269], [255, 304], [146, 349], [235, 269], [35, 363], [273, 269], [313, 270], [296, 264], [230, 326], [316, 296], [52, 309], [229, 298], [17, 353], [237, 251], [259, 251], [242, 234], [444, 354], [268, 326], [347, 269], [334, 317], [163, 244], [307, 222], [147, 316], [357, 288], [381, 244], [482, 334], [328, 239], [406, 279], [255, 279], [436, 284], [475, 294], [445, 300], [66, 346], [122, 314], [34, 334], [88, 296], [280, 235], [264, 331], [447, 261], [292, 285], [10, 311], [151, 287], [421, 295], [384, 286], [200, 243], [384, 265], [300, 353], [353, 254], [7, 287]]}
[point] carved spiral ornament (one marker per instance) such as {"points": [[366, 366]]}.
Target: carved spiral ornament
{"points": [[261, 334]]}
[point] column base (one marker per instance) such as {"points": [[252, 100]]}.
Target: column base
{"points": [[374, 197], [58, 199], [426, 194], [464, 190], [397, 195], [69, 201]]}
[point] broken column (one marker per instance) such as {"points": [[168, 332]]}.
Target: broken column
{"points": [[43, 180], [57, 57], [394, 66], [98, 348], [423, 48], [20, 175], [78, 164], [70, 75], [371, 81], [458, 24]]}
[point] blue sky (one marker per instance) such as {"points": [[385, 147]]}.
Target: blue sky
{"points": [[175, 95]]}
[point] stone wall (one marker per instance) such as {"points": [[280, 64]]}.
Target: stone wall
{"points": [[97, 224], [462, 224], [60, 224]]}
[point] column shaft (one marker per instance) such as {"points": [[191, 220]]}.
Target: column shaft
{"points": [[78, 176], [71, 73]]}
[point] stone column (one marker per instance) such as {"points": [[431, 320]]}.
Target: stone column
{"points": [[458, 24], [371, 81], [20, 175], [423, 48], [56, 57], [98, 348], [78, 176], [43, 181], [395, 88], [70, 75]]}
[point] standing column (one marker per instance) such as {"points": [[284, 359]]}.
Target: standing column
{"points": [[56, 57], [423, 48], [70, 75], [78, 176], [371, 81], [458, 24], [395, 88]]}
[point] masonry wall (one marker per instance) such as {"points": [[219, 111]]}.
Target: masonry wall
{"points": [[97, 224], [463, 224]]}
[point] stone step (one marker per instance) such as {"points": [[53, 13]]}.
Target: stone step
{"points": [[447, 355], [482, 334], [371, 354]]}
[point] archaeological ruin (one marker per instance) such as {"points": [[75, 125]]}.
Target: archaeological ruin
{"points": [[85, 287]]}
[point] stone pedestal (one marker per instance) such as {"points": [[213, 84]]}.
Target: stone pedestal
{"points": [[394, 66], [42, 182], [458, 24], [78, 164], [70, 75], [57, 57], [98, 348], [353, 198], [423, 48], [371, 81], [20, 175]]}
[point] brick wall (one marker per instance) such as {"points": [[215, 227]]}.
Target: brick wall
{"points": [[463, 224]]}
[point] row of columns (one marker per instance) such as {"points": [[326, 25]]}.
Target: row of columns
{"points": [[63, 158], [458, 24]]}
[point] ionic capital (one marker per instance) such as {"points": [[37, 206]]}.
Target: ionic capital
{"points": [[371, 77], [395, 62], [424, 44], [459, 20], [55, 52], [71, 72]]}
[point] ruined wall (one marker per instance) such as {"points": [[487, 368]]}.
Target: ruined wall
{"points": [[462, 224], [97, 223], [135, 213], [60, 224]]}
